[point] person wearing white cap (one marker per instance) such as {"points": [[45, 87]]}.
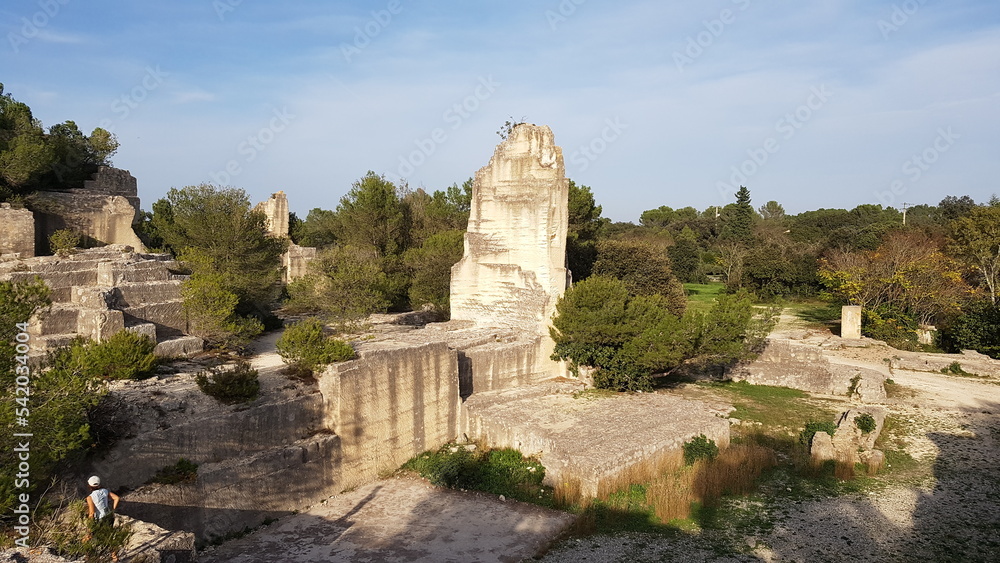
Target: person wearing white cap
{"points": [[98, 500]]}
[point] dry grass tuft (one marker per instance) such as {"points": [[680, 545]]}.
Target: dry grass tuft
{"points": [[672, 487], [844, 468]]}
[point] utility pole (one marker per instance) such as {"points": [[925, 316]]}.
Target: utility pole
{"points": [[905, 205]]}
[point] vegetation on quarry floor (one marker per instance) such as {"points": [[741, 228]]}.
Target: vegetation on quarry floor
{"points": [[739, 492]]}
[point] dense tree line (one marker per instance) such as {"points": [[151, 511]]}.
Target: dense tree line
{"points": [[932, 265], [32, 158]]}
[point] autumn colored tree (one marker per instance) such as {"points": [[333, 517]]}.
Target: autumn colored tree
{"points": [[907, 273]]}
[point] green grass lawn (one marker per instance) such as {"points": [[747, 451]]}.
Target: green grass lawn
{"points": [[701, 296]]}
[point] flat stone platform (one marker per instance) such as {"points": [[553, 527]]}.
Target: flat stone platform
{"points": [[590, 438], [402, 520]]}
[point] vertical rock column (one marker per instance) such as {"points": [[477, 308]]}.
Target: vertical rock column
{"points": [[514, 267]]}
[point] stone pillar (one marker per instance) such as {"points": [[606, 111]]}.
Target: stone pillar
{"points": [[17, 237], [276, 211], [850, 322], [513, 269]]}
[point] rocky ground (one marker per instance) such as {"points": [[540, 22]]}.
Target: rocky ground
{"points": [[943, 505]]}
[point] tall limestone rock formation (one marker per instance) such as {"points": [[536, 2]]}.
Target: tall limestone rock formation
{"points": [[514, 267]]}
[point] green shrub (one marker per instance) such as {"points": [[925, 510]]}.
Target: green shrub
{"points": [[699, 447], [955, 368], [865, 422], [63, 241], [501, 472], [977, 328], [304, 346], [237, 385], [72, 535], [812, 427], [184, 471], [125, 355], [891, 325]]}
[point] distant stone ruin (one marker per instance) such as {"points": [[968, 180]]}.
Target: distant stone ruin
{"points": [[296, 259]]}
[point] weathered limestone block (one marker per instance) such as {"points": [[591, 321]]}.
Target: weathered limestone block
{"points": [[848, 441], [969, 360], [113, 181], [296, 261], [18, 234], [104, 218], [99, 324], [594, 441], [202, 437], [236, 494], [275, 209], [850, 322], [168, 316], [91, 297], [153, 544], [799, 365], [145, 329], [822, 447], [57, 319], [391, 404], [500, 365], [513, 269], [149, 292], [179, 347], [119, 272]]}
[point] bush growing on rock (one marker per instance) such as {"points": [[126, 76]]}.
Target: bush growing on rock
{"points": [[125, 355], [305, 348], [184, 471], [812, 427], [865, 422], [63, 241], [236, 385]]}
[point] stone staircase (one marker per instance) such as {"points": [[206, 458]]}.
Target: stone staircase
{"points": [[98, 292]]}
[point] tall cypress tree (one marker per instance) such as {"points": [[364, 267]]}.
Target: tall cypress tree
{"points": [[739, 222]]}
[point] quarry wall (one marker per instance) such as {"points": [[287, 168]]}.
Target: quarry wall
{"points": [[391, 404]]}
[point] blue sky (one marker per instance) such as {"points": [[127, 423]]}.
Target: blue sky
{"points": [[819, 104]]}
